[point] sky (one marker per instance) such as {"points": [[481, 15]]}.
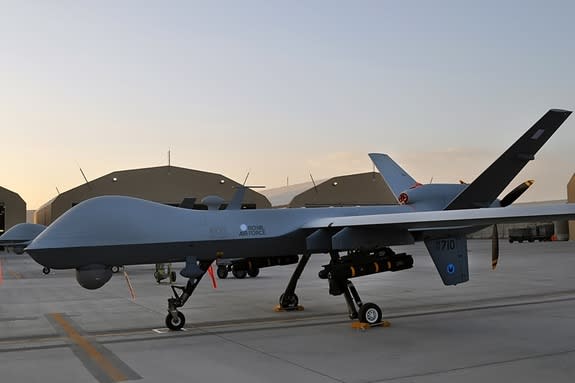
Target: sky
{"points": [[281, 89]]}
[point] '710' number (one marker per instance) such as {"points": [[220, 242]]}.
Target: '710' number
{"points": [[447, 244]]}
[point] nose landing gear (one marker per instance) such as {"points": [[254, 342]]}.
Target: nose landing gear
{"points": [[175, 320]]}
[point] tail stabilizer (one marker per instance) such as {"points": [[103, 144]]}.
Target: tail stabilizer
{"points": [[393, 175], [488, 186]]}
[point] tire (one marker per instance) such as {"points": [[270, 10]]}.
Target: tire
{"points": [[115, 269], [222, 272], [46, 270], [254, 272], [240, 274], [370, 313], [291, 301], [173, 276], [157, 276], [175, 325]]}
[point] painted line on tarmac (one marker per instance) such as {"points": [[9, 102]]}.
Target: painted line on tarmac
{"points": [[98, 360], [15, 274]]}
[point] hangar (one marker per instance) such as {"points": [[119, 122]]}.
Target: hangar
{"points": [[351, 190], [571, 199], [12, 209], [164, 184]]}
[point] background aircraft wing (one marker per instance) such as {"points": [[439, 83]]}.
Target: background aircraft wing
{"points": [[447, 219]]}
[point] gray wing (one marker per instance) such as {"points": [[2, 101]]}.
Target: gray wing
{"points": [[447, 219]]}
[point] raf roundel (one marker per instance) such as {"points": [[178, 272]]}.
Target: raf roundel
{"points": [[243, 227]]}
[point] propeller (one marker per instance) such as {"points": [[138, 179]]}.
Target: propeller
{"points": [[511, 197], [515, 193], [494, 247]]}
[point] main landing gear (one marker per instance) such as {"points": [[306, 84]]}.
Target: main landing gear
{"points": [[194, 270], [289, 300], [369, 313], [357, 264], [338, 273]]}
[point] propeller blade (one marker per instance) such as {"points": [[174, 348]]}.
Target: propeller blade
{"points": [[1, 273], [515, 193], [494, 247]]}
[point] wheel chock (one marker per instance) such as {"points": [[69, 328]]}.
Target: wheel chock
{"points": [[365, 326], [279, 309]]}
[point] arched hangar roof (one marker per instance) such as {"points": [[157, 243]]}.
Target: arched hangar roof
{"points": [[164, 184], [350, 190]]}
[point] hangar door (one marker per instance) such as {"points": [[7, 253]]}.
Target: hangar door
{"points": [[2, 218]]}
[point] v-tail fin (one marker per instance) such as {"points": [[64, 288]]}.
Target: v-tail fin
{"points": [[393, 175], [488, 186]]}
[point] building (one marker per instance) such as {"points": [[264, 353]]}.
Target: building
{"points": [[164, 184], [571, 199], [351, 190], [12, 209]]}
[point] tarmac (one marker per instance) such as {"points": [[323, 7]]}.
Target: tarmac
{"points": [[512, 324]]}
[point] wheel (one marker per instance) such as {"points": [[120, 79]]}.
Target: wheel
{"points": [[370, 313], [222, 272], [254, 272], [240, 274], [510, 240], [173, 276], [291, 301], [175, 324], [46, 270], [115, 269]]}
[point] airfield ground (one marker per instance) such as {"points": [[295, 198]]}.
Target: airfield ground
{"points": [[514, 324]]}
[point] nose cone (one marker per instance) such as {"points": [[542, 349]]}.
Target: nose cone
{"points": [[21, 234], [102, 221], [96, 225]]}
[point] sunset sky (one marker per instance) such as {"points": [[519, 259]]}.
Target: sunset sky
{"points": [[281, 88]]}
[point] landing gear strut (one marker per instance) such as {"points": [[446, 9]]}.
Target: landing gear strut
{"points": [[175, 320], [369, 313], [289, 300]]}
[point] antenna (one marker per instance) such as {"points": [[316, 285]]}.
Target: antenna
{"points": [[246, 179], [287, 181], [169, 158], [85, 179], [313, 182], [57, 190]]}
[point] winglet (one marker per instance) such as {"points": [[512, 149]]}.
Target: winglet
{"points": [[486, 188], [393, 175]]}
